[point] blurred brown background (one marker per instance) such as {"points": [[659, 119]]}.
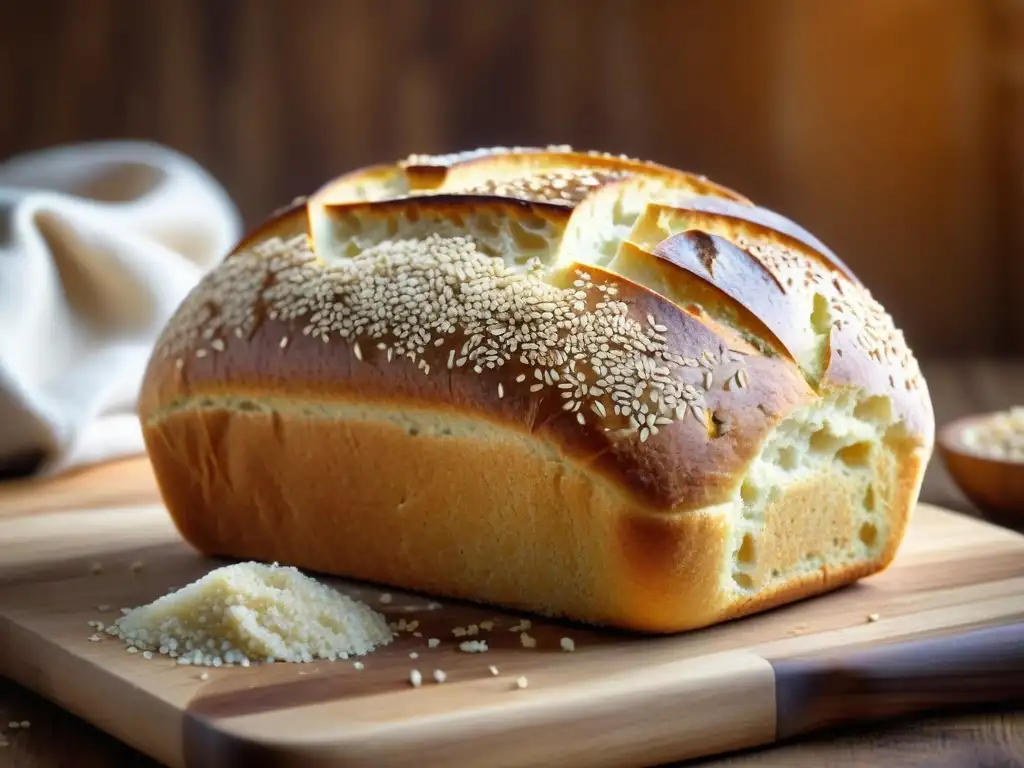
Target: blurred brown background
{"points": [[888, 127]]}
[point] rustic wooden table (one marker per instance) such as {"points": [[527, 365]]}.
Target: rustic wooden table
{"points": [[993, 738]]}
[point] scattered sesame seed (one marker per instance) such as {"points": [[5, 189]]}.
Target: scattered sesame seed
{"points": [[204, 676], [873, 617], [568, 644], [413, 655], [359, 665], [440, 676], [460, 631], [94, 638], [493, 670], [521, 682], [415, 678]]}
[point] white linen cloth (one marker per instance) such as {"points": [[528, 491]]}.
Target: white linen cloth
{"points": [[99, 243]]}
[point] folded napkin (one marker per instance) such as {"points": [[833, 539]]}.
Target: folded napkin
{"points": [[99, 243]]}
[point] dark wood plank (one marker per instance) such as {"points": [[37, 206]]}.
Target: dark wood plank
{"points": [[777, 98]]}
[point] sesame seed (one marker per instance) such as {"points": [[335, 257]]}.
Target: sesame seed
{"points": [[358, 666], [873, 617], [440, 676], [521, 682], [493, 670], [415, 678], [284, 342], [204, 676], [409, 295], [501, 390], [568, 644], [413, 655]]}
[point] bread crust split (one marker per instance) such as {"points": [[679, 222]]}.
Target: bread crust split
{"points": [[563, 382]]}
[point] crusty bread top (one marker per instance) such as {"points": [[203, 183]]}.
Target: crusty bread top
{"points": [[664, 367]]}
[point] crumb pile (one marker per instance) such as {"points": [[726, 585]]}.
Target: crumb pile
{"points": [[250, 612]]}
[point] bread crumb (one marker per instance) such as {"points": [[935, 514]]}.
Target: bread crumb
{"points": [[433, 642], [487, 626], [412, 626], [494, 670], [568, 644], [385, 598], [95, 638], [415, 678], [472, 629], [251, 612], [359, 665], [417, 634], [527, 641], [473, 646], [440, 676], [459, 631], [521, 682], [873, 617], [131, 649], [522, 625], [147, 654]]}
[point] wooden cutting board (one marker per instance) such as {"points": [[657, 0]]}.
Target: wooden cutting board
{"points": [[946, 630]]}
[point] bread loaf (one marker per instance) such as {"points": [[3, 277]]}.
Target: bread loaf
{"points": [[565, 382]]}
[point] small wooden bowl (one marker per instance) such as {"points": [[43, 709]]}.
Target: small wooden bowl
{"points": [[995, 486]]}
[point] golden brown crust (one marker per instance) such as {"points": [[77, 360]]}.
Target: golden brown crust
{"points": [[534, 531], [583, 440]]}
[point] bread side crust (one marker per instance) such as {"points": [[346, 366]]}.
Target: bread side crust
{"points": [[360, 495]]}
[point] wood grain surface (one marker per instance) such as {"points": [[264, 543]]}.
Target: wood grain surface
{"points": [[890, 129], [618, 699], [977, 568]]}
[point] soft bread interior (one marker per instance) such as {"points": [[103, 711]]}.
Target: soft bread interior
{"points": [[839, 441], [607, 216], [377, 182], [514, 231]]}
